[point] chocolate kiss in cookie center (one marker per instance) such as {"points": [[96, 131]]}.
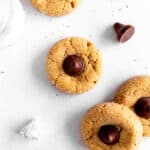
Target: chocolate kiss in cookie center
{"points": [[109, 134], [142, 107], [73, 65]]}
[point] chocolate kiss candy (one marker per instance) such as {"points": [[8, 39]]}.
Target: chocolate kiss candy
{"points": [[142, 107], [73, 65], [124, 32], [109, 134]]}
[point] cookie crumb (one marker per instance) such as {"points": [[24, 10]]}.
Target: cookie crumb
{"points": [[2, 72], [120, 9], [135, 60]]}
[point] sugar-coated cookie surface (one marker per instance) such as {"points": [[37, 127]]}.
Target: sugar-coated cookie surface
{"points": [[114, 115], [90, 74], [131, 92], [55, 7]]}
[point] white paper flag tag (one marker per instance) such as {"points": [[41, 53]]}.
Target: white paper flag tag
{"points": [[30, 130]]}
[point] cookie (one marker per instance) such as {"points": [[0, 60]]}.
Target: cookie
{"points": [[55, 7], [74, 65], [135, 94], [110, 126]]}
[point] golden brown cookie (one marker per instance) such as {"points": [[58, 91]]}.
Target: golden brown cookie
{"points": [[135, 94], [74, 65], [110, 126], [55, 7]]}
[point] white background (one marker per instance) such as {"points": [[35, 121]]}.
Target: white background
{"points": [[25, 92]]}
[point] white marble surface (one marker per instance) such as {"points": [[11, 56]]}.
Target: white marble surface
{"points": [[25, 92], [12, 20]]}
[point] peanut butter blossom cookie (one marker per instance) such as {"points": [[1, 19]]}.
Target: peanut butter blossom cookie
{"points": [[110, 126], [74, 65], [135, 94], [55, 7]]}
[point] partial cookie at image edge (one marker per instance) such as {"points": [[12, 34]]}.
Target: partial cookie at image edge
{"points": [[57, 8], [131, 91]]}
